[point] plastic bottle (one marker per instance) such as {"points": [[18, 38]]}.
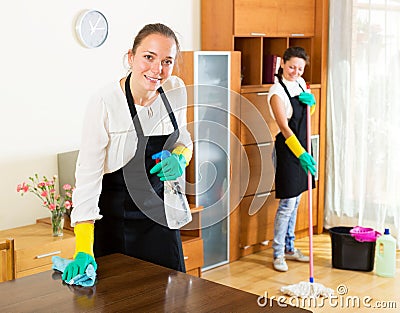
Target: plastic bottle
{"points": [[385, 253]]}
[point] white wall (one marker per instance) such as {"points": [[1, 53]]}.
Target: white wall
{"points": [[47, 77]]}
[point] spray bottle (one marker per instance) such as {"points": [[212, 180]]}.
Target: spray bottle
{"points": [[385, 254]]}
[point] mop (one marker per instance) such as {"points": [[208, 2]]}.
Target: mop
{"points": [[309, 289]]}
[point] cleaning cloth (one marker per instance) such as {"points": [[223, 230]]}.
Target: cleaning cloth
{"points": [[86, 280]]}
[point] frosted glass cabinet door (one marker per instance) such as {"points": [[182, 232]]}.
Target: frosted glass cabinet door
{"points": [[211, 114]]}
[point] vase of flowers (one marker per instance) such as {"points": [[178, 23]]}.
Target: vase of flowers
{"points": [[45, 190], [57, 223]]}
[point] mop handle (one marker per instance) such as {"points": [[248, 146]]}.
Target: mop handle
{"points": [[309, 180]]}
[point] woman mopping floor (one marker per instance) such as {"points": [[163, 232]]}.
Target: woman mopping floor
{"points": [[291, 103]]}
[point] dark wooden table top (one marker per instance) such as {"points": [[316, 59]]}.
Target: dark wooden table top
{"points": [[126, 284]]}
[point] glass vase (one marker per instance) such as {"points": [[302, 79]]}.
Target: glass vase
{"points": [[57, 223]]}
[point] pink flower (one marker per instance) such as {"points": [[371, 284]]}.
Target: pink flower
{"points": [[44, 193], [67, 204], [52, 207], [68, 194], [67, 187], [22, 187], [52, 190], [41, 184]]}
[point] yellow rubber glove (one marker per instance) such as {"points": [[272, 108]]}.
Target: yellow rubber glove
{"points": [[84, 239], [312, 109], [295, 146], [186, 152], [307, 162]]}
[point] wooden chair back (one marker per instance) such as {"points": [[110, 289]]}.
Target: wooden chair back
{"points": [[7, 260]]}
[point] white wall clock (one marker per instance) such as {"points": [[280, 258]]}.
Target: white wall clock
{"points": [[91, 28]]}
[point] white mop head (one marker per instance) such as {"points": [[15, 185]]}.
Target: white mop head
{"points": [[307, 290]]}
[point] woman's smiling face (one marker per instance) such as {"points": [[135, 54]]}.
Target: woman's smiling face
{"points": [[153, 61], [293, 68]]}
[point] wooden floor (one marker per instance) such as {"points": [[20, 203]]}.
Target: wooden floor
{"points": [[255, 274]]}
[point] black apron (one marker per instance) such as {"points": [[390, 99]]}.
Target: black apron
{"points": [[132, 205], [290, 177]]}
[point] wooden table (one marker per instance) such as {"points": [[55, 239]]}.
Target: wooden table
{"points": [[126, 284]]}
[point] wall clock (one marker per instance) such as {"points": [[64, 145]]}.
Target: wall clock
{"points": [[91, 28]]}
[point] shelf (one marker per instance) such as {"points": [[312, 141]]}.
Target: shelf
{"points": [[195, 209], [255, 51], [264, 88]]}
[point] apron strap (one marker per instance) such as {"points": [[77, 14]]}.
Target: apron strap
{"points": [[168, 107], [131, 105]]}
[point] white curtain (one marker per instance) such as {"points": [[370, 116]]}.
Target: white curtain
{"points": [[363, 115]]}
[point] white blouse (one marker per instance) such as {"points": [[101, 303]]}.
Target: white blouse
{"points": [[294, 90], [109, 139]]}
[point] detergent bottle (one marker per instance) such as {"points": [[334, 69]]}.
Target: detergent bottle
{"points": [[385, 254]]}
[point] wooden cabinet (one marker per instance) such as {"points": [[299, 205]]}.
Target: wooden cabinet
{"points": [[194, 256], [192, 243], [35, 245], [273, 17], [257, 228], [257, 122], [259, 160], [264, 17], [259, 29], [226, 18]]}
